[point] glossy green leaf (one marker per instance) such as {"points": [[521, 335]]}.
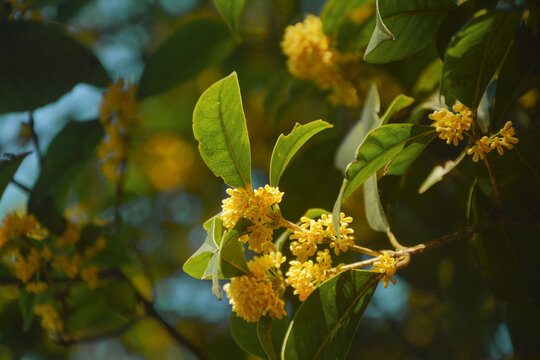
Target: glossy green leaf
{"points": [[220, 127], [401, 163], [336, 11], [271, 332], [246, 336], [287, 145], [369, 120], [70, 150], [519, 72], [475, 53], [414, 24], [399, 103], [382, 145], [8, 168], [36, 75], [220, 257], [439, 172], [325, 324], [180, 58], [230, 11]]}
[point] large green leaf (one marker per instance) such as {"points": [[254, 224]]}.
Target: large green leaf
{"points": [[41, 63], [380, 33], [230, 10], [246, 336], [369, 120], [401, 163], [519, 72], [382, 145], [220, 127], [181, 58], [414, 24], [271, 333], [8, 168], [475, 53], [336, 11], [68, 153], [287, 145], [221, 256], [399, 103], [325, 324]]}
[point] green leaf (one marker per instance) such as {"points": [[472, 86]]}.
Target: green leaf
{"points": [[354, 34], [325, 324], [287, 145], [246, 336], [40, 63], [336, 11], [430, 78], [401, 163], [69, 151], [8, 168], [220, 127], [181, 58], [271, 332], [382, 145], [220, 257], [230, 11], [375, 215], [399, 103], [519, 72], [369, 120], [439, 172], [475, 53], [413, 25]]}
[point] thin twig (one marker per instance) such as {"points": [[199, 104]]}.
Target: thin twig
{"points": [[35, 139]]}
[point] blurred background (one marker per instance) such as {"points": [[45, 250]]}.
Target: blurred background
{"points": [[440, 308]]}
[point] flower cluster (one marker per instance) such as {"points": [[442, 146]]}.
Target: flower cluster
{"points": [[20, 11], [118, 115], [50, 318], [306, 276], [504, 138], [452, 125], [387, 266], [257, 206], [260, 294], [311, 57]]}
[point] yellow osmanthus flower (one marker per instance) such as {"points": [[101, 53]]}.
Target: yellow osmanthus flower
{"points": [[311, 57], [504, 138], [235, 206], [70, 265], [50, 319], [14, 227], [452, 125], [118, 115], [507, 139], [36, 287], [90, 274], [25, 268], [306, 276], [267, 266], [260, 239], [70, 236], [387, 266]]}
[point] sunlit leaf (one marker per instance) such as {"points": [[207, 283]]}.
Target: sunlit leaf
{"points": [[287, 145], [181, 58], [70, 151], [331, 313], [475, 53], [37, 74], [8, 168], [246, 336], [230, 11], [220, 127], [271, 332], [411, 25], [399, 103], [382, 145]]}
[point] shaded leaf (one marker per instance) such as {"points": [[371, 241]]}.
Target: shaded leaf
{"points": [[412, 25], [43, 64], [519, 72], [271, 332], [8, 168], [246, 336], [331, 313], [375, 215], [382, 145], [336, 11], [230, 11], [70, 151], [287, 145], [401, 163], [220, 127], [439, 172], [475, 53], [369, 120], [354, 34], [175, 62]]}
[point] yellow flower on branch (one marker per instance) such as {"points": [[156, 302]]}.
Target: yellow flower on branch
{"points": [[452, 125], [387, 266], [479, 149], [50, 319]]}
